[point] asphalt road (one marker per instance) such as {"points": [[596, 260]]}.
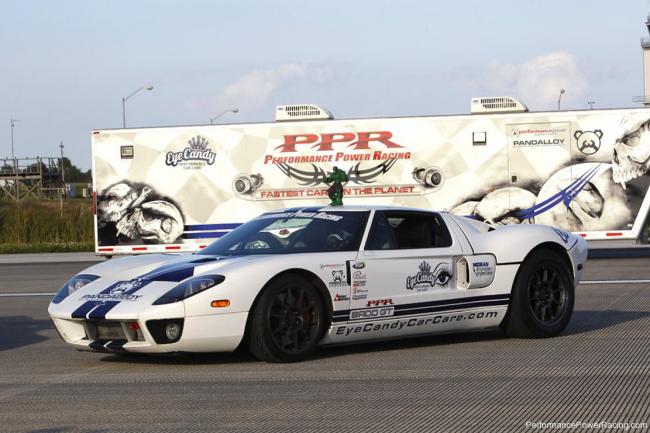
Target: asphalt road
{"points": [[597, 371]]}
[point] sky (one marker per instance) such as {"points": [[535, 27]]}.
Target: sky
{"points": [[65, 65]]}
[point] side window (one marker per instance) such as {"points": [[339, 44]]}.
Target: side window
{"points": [[407, 230]]}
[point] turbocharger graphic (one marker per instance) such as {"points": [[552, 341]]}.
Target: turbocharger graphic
{"points": [[430, 176], [245, 184]]}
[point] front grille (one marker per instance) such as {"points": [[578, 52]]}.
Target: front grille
{"points": [[105, 330]]}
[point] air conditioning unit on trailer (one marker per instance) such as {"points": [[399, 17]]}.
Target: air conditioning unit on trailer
{"points": [[497, 104], [284, 113]]}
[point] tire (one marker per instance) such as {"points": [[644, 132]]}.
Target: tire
{"points": [[542, 297], [288, 321]]}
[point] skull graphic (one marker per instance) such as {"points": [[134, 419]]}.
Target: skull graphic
{"points": [[631, 157], [115, 202], [498, 207], [160, 221], [600, 205]]}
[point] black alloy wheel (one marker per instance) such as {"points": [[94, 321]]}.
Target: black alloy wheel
{"points": [[542, 297], [547, 294], [288, 320], [293, 319]]}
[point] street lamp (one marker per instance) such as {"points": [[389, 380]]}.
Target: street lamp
{"points": [[559, 99], [124, 103], [232, 110], [13, 123]]}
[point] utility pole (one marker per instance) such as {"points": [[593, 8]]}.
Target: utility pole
{"points": [[13, 123], [62, 165]]}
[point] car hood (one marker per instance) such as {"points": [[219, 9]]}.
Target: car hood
{"points": [[128, 286]]}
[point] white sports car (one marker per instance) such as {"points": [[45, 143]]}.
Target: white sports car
{"points": [[289, 281]]}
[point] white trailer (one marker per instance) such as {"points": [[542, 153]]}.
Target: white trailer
{"points": [[179, 188]]}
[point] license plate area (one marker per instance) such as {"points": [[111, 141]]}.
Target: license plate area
{"points": [[106, 331]]}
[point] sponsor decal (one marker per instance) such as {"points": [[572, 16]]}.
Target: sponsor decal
{"points": [[588, 142], [426, 279], [482, 269], [359, 265], [380, 302], [195, 155], [562, 234], [414, 322], [359, 275], [120, 291], [299, 214], [358, 284], [359, 296], [372, 313], [536, 135], [325, 142], [331, 266], [109, 297], [341, 297]]}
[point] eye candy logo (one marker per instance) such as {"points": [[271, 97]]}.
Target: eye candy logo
{"points": [[426, 279], [196, 151]]}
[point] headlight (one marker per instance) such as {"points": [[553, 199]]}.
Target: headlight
{"points": [[190, 287], [75, 283]]}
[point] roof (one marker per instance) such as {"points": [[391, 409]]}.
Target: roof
{"points": [[350, 208]]}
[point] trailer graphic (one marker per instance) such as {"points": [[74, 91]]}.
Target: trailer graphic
{"points": [[179, 188]]}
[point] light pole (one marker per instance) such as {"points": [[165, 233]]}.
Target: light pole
{"points": [[559, 99], [232, 110], [591, 104], [13, 123], [124, 99]]}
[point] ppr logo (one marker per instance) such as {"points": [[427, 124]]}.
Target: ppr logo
{"points": [[325, 142]]}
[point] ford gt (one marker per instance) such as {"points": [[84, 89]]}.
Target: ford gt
{"points": [[291, 280]]}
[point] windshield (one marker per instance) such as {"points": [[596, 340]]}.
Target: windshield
{"points": [[293, 232]]}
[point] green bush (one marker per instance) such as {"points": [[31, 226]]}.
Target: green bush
{"points": [[32, 223]]}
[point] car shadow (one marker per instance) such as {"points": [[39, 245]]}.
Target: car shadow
{"points": [[582, 321], [19, 331]]}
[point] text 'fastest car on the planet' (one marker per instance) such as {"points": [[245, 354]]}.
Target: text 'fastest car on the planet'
{"points": [[289, 281]]}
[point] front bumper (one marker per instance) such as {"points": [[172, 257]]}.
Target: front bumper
{"points": [[212, 333]]}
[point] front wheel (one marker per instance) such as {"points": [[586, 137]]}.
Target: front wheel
{"points": [[288, 321], [542, 297]]}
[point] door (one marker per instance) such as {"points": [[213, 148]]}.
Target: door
{"points": [[406, 267]]}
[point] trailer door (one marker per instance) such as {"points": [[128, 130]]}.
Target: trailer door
{"points": [[536, 151]]}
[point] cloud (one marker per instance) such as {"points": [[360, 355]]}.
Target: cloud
{"points": [[537, 82], [253, 90]]}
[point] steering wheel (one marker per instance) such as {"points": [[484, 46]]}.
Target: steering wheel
{"points": [[334, 241], [263, 240]]}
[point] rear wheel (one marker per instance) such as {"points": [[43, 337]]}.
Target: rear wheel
{"points": [[288, 321], [542, 297]]}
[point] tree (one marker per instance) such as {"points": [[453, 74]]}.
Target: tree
{"points": [[74, 174]]}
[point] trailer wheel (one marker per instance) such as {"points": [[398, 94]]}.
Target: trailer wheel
{"points": [[288, 321], [542, 297]]}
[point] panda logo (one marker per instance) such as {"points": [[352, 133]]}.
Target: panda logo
{"points": [[124, 287], [588, 142], [337, 275]]}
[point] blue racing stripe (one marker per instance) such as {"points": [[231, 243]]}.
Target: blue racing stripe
{"points": [[435, 306], [199, 227], [203, 235], [80, 313], [100, 312]]}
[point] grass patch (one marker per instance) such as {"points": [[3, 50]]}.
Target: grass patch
{"points": [[51, 247], [45, 226]]}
